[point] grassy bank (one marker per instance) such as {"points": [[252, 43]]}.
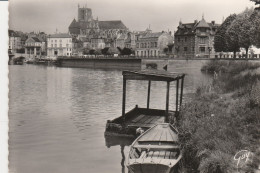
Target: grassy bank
{"points": [[222, 119]]}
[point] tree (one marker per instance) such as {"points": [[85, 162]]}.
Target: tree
{"points": [[105, 51], [85, 51], [126, 51], [256, 1], [166, 50], [255, 28], [220, 43], [244, 24], [92, 52], [232, 39], [170, 46]]}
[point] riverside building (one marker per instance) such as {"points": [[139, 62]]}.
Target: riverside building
{"points": [[195, 39], [59, 44]]}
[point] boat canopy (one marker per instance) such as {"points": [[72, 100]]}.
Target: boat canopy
{"points": [[155, 75], [152, 75]]}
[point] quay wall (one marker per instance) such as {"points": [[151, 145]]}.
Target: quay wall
{"points": [[102, 63]]}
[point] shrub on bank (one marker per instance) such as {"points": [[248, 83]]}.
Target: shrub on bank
{"points": [[223, 118], [228, 66]]}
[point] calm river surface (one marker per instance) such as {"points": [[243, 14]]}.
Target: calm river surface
{"points": [[57, 116]]}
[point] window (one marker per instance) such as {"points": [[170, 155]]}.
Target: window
{"points": [[60, 45], [202, 49], [155, 44], [179, 40], [55, 41], [193, 48], [55, 45], [51, 45], [185, 39], [202, 40], [185, 49], [137, 45]]}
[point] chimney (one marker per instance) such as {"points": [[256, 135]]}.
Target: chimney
{"points": [[196, 21], [213, 22]]}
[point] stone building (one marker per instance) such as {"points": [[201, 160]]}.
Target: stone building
{"points": [[149, 44], [14, 41], [87, 26], [130, 41], [59, 44], [34, 46], [195, 39]]}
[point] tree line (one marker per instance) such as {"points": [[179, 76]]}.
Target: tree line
{"points": [[239, 31], [108, 51]]}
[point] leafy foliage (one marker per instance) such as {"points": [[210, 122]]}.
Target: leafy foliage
{"points": [[238, 31], [256, 1], [255, 28], [220, 43], [223, 120]]}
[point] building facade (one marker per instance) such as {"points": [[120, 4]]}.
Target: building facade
{"points": [[59, 45], [195, 39], [34, 46], [150, 44], [14, 41]]}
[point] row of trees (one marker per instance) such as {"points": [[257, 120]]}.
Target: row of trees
{"points": [[239, 31], [108, 51]]}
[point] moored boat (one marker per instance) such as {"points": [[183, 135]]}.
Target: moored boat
{"points": [[155, 151]]}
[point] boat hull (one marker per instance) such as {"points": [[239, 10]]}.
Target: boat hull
{"points": [[150, 168]]}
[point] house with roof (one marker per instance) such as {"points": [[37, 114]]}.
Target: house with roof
{"points": [[14, 41], [59, 44], [195, 39], [152, 44], [34, 46]]}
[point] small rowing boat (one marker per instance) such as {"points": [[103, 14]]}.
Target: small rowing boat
{"points": [[155, 151]]}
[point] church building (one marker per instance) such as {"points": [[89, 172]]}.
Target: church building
{"points": [[87, 26]]}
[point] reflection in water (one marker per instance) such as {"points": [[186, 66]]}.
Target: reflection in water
{"points": [[122, 142], [123, 158], [58, 115]]}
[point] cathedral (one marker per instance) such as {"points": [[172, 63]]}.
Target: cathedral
{"points": [[87, 26]]}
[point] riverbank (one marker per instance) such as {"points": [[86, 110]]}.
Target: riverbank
{"points": [[222, 119]]}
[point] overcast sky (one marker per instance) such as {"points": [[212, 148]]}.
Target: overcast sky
{"points": [[47, 15]]}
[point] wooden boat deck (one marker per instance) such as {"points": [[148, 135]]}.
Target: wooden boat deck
{"points": [[145, 121], [160, 133]]}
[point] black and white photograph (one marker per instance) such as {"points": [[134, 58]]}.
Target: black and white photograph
{"points": [[130, 86]]}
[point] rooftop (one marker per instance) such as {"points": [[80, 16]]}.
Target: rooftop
{"points": [[113, 24], [60, 35]]}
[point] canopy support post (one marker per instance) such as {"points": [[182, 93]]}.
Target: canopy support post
{"points": [[167, 101], [177, 95], [148, 94], [124, 98], [182, 81]]}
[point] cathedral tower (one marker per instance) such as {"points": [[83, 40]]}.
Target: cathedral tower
{"points": [[84, 14]]}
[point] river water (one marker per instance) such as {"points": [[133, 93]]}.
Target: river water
{"points": [[57, 116]]}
